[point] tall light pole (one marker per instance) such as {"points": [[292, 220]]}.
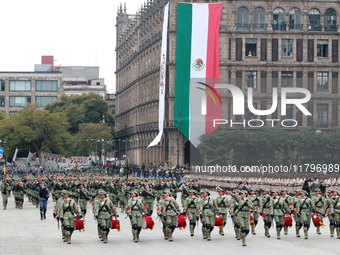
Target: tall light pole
{"points": [[96, 150], [103, 152]]}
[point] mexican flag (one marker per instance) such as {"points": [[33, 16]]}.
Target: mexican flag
{"points": [[197, 102]]}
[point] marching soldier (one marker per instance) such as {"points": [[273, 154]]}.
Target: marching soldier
{"points": [[222, 203], [67, 211], [184, 193], [161, 215], [84, 196], [298, 223], [278, 211], [191, 206], [5, 189], [288, 200], [135, 210], [208, 209], [336, 216], [170, 211], [149, 197], [256, 203], [243, 212], [305, 207], [267, 211], [319, 202], [330, 211], [104, 209], [233, 205]]}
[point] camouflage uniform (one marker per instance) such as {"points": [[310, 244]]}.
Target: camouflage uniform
{"points": [[192, 207]]}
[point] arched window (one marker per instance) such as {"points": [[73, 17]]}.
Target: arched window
{"points": [[314, 20], [259, 19], [295, 19], [242, 19], [330, 20], [279, 22]]}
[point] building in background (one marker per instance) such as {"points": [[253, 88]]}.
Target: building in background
{"points": [[77, 80], [262, 45], [19, 88]]}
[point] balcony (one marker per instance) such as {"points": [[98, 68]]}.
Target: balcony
{"points": [[242, 26], [296, 27], [314, 27], [330, 28]]}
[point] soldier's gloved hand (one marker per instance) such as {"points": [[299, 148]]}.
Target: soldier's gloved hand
{"points": [[53, 215], [292, 212], [246, 203], [96, 216], [61, 219], [117, 215], [332, 214], [130, 217], [232, 216]]}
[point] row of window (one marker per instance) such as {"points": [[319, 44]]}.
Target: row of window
{"points": [[287, 79], [26, 85], [287, 48], [21, 101], [321, 115], [279, 22], [324, 49]]}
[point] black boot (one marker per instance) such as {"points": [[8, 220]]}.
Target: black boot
{"points": [[41, 216], [151, 212], [45, 214]]}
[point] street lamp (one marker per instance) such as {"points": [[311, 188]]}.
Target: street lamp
{"points": [[103, 152], [96, 150]]}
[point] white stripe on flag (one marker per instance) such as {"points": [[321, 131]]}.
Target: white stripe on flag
{"points": [[199, 43]]}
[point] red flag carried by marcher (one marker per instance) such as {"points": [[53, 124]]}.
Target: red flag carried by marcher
{"points": [[77, 167]]}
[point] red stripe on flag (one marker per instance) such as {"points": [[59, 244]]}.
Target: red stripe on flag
{"points": [[213, 65]]}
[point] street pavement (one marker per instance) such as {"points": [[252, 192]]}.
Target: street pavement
{"points": [[22, 232]]}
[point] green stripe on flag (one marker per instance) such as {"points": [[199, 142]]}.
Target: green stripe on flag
{"points": [[183, 66]]}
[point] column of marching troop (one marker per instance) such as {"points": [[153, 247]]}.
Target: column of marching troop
{"points": [[136, 196]]}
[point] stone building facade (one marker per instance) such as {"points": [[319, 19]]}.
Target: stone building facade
{"points": [[262, 45]]}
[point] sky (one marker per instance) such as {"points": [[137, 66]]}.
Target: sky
{"points": [[75, 32]]}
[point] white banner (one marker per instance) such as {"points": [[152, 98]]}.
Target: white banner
{"points": [[162, 78], [15, 154], [55, 159]]}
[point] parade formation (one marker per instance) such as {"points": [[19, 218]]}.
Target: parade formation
{"points": [[136, 198]]}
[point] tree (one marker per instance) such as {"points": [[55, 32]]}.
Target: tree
{"points": [[36, 129], [2, 114], [95, 131], [78, 109]]}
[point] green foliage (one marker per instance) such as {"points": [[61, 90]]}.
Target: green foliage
{"points": [[35, 129], [2, 114], [95, 131], [271, 146], [87, 108]]}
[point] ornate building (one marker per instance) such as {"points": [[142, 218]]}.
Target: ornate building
{"points": [[262, 45]]}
